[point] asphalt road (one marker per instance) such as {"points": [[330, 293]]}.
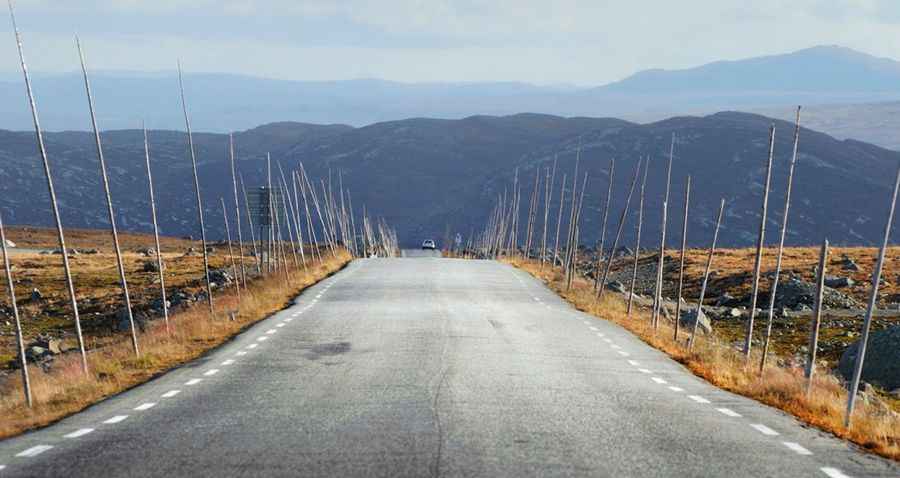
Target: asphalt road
{"points": [[427, 367]]}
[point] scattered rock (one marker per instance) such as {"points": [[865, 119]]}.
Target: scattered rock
{"points": [[36, 295], [10, 243], [724, 300], [849, 264], [882, 364], [122, 323], [735, 313], [149, 252], [616, 286], [90, 251], [150, 266], [839, 282], [36, 353], [688, 318]]}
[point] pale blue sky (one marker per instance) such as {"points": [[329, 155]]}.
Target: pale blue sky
{"points": [[537, 41]]}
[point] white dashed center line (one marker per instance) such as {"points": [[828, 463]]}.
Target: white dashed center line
{"points": [[212, 372], [616, 346], [833, 472], [797, 448], [193, 381], [228, 362], [658, 380], [145, 406], [698, 399], [34, 451], [764, 429], [599, 334], [79, 433], [729, 412], [171, 393], [115, 419]]}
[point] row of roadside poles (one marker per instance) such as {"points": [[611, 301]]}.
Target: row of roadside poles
{"points": [[501, 237], [337, 224]]}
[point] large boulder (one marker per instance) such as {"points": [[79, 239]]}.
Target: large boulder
{"points": [[688, 317], [795, 294], [882, 365], [123, 324], [839, 282]]}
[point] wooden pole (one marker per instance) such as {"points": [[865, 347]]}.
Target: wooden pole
{"points": [[562, 196], [757, 266], [250, 223], [637, 242], [709, 259], [20, 340], [234, 269], [784, 223], [658, 305], [109, 206], [309, 222], [621, 225], [684, 226], [187, 122], [817, 317], [237, 211], [870, 309], [573, 260], [612, 169], [159, 261], [70, 287], [548, 192]]}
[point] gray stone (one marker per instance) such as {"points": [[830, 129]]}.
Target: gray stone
{"points": [[839, 282], [735, 312], [36, 295], [616, 286], [688, 317], [122, 323], [10, 243], [849, 264], [150, 266], [882, 364], [36, 353]]}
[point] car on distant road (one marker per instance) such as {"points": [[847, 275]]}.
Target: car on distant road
{"points": [[429, 244]]}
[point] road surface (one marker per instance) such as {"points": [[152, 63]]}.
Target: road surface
{"points": [[432, 367]]}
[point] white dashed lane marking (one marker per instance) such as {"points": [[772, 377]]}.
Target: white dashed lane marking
{"points": [[193, 381], [78, 433], [171, 393], [241, 353], [643, 370], [228, 362], [658, 380], [145, 406], [212, 372], [115, 419], [764, 429], [271, 331], [261, 339], [34, 451], [252, 346], [833, 472], [676, 389], [729, 412], [698, 399], [280, 325], [622, 353], [796, 448], [594, 328]]}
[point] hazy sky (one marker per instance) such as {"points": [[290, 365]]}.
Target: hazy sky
{"points": [[583, 42]]}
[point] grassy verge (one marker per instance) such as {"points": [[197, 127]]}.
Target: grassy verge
{"points": [[875, 427], [114, 367]]}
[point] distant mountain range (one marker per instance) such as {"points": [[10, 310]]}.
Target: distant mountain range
{"points": [[824, 75], [432, 176]]}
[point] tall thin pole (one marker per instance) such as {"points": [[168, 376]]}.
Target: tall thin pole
{"points": [[757, 266], [870, 309], [637, 169], [684, 226], [548, 192], [709, 259], [70, 287], [109, 206], [658, 305], [159, 261], [237, 210], [20, 341], [234, 269], [612, 169], [562, 196], [250, 223], [637, 242], [187, 123], [817, 317], [784, 223]]}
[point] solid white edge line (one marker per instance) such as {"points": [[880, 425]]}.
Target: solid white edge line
{"points": [[698, 399], [145, 406], [764, 429], [833, 472], [34, 451], [115, 419], [171, 393], [211, 372], [796, 448], [78, 433], [729, 412]]}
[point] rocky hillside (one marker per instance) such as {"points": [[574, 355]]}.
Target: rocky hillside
{"points": [[428, 177]]}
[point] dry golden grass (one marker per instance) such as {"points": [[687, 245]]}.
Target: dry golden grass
{"points": [[874, 426], [114, 367]]}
